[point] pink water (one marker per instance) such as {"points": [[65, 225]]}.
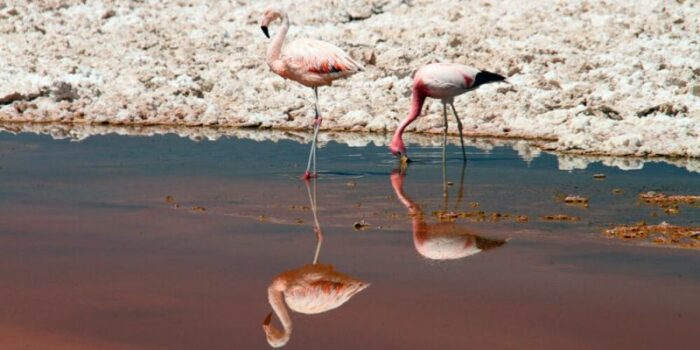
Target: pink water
{"points": [[93, 257]]}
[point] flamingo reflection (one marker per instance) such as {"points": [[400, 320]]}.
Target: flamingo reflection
{"points": [[310, 289], [444, 240]]}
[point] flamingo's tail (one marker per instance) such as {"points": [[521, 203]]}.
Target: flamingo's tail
{"points": [[485, 77]]}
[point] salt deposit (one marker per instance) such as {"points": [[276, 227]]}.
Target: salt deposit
{"points": [[589, 77]]}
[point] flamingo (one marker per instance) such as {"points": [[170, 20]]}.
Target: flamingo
{"points": [[309, 62], [442, 241], [311, 289], [443, 81]]}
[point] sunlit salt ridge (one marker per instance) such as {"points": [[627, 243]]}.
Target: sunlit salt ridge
{"points": [[527, 150]]}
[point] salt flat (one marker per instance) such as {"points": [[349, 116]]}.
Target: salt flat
{"points": [[591, 77]]}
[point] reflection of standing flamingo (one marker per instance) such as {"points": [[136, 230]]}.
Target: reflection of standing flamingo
{"points": [[309, 62], [444, 81], [442, 241], [311, 289]]}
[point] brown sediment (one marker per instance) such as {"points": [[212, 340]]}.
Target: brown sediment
{"points": [[672, 211], [299, 207], [662, 234], [669, 203], [662, 200], [521, 218], [360, 225], [578, 201], [599, 176], [394, 216], [477, 216], [560, 217], [198, 209]]}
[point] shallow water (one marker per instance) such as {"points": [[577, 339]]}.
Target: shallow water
{"points": [[94, 254]]}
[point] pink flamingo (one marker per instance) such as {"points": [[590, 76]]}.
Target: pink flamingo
{"points": [[444, 81], [310, 289], [312, 63]]}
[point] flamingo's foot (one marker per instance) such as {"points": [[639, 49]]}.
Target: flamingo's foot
{"points": [[317, 121], [308, 175]]}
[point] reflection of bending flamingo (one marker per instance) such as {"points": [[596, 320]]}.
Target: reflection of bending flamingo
{"points": [[310, 289], [441, 241]]}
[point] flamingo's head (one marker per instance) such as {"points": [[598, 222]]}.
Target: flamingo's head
{"points": [[275, 337], [270, 15], [398, 149]]}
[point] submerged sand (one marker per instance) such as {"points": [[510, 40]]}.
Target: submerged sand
{"points": [[599, 77]]}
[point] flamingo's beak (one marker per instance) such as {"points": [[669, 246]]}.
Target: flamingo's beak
{"points": [[267, 320], [264, 29]]}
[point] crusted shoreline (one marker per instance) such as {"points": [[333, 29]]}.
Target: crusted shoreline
{"points": [[528, 150], [589, 77]]}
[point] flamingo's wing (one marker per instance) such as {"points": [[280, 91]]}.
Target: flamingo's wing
{"points": [[319, 57], [319, 288], [448, 76]]}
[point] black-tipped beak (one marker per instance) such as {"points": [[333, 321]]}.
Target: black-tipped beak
{"points": [[264, 29], [268, 319], [403, 158]]}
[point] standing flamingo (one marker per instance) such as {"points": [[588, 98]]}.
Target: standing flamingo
{"points": [[444, 240], [444, 81], [312, 63], [310, 289]]}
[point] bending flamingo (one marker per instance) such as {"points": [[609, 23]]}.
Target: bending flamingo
{"points": [[444, 81], [444, 240], [312, 63], [310, 289]]}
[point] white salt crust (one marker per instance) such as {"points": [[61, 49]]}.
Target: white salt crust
{"points": [[590, 77]]}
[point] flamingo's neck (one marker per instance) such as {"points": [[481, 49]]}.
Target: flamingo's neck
{"points": [[420, 228], [417, 100], [276, 299], [397, 184], [275, 50]]}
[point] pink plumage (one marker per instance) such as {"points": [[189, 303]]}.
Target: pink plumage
{"points": [[315, 63], [309, 62], [443, 81]]}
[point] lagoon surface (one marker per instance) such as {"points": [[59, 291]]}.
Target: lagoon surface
{"points": [[126, 242]]}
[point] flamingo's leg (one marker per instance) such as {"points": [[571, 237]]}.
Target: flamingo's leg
{"points": [[317, 226], [444, 116], [312, 152], [444, 146], [461, 135], [460, 195]]}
